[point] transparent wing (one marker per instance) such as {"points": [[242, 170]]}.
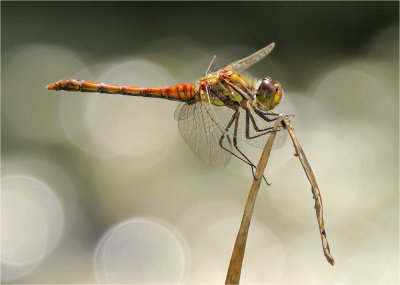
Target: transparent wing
{"points": [[245, 63], [224, 114], [203, 134]]}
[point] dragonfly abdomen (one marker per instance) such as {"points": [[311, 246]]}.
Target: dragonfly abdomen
{"points": [[182, 92]]}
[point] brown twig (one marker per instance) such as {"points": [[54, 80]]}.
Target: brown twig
{"points": [[314, 188], [235, 265]]}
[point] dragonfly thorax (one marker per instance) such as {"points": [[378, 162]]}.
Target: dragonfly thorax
{"points": [[268, 93]]}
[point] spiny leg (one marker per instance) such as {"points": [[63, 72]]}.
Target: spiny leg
{"points": [[264, 116], [249, 117], [236, 115], [232, 119], [235, 118], [207, 90], [237, 148]]}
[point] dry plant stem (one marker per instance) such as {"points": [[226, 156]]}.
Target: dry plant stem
{"points": [[314, 188], [235, 265]]}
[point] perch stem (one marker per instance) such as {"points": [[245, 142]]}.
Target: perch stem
{"points": [[235, 265]]}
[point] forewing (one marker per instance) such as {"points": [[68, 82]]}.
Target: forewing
{"points": [[245, 63], [202, 133]]}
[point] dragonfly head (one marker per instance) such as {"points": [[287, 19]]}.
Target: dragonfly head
{"points": [[269, 93]]}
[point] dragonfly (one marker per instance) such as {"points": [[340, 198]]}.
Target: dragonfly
{"points": [[220, 110]]}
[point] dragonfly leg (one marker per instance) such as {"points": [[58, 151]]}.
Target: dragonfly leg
{"points": [[237, 148], [244, 158], [233, 118], [264, 116], [249, 117]]}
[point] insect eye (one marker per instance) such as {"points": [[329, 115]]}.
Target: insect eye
{"points": [[266, 87]]}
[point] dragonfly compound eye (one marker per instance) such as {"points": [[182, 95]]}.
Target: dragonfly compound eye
{"points": [[269, 93]]}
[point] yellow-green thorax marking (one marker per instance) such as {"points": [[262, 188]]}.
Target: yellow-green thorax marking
{"points": [[229, 88]]}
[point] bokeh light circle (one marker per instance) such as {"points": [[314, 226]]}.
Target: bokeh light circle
{"points": [[264, 260], [110, 126], [32, 111], [141, 250], [32, 224]]}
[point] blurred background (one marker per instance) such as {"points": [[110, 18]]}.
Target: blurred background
{"points": [[99, 188]]}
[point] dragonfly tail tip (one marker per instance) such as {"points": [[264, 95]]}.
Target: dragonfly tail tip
{"points": [[52, 86]]}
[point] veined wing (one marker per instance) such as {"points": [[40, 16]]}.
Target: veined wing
{"points": [[245, 63], [202, 133]]}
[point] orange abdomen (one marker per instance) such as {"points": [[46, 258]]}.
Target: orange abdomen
{"points": [[182, 92]]}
